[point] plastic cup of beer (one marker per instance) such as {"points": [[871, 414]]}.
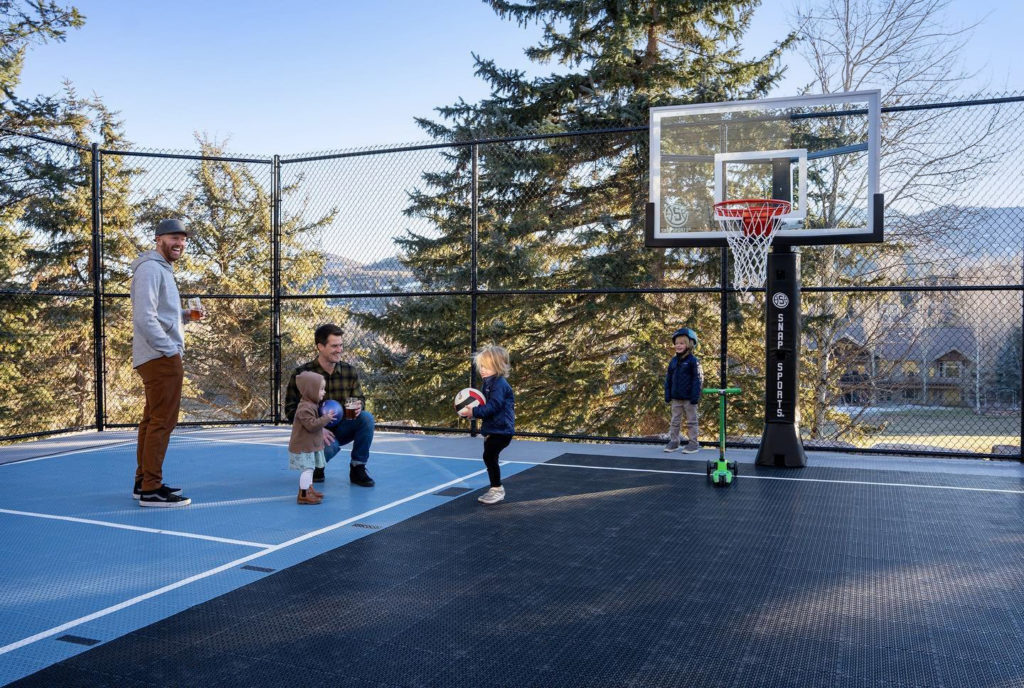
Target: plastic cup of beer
{"points": [[195, 309], [352, 406]]}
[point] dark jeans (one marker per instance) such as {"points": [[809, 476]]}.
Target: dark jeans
{"points": [[359, 432], [493, 444], [162, 378]]}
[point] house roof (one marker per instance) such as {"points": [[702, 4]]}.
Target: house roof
{"points": [[928, 344]]}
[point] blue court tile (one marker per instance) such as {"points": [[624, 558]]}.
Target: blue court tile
{"points": [[241, 493], [38, 655], [17, 625], [68, 570]]}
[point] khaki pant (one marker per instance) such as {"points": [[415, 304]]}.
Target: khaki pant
{"points": [[162, 378], [679, 407]]}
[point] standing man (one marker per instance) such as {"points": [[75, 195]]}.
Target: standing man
{"points": [[158, 344], [342, 385]]}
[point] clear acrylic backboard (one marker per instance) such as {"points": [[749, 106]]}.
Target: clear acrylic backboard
{"points": [[819, 153]]}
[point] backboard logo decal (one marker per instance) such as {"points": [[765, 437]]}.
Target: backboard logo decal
{"points": [[676, 215]]}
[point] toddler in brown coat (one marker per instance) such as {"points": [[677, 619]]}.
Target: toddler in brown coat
{"points": [[306, 446]]}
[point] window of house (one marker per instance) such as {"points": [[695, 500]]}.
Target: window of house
{"points": [[951, 369]]}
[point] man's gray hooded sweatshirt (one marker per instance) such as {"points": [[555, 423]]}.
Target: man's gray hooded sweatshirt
{"points": [[156, 310]]}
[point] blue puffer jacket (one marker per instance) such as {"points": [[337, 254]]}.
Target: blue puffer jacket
{"points": [[684, 379], [499, 413]]}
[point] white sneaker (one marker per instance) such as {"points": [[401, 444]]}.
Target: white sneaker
{"points": [[492, 496]]}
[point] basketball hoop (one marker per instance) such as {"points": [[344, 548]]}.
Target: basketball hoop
{"points": [[749, 225]]}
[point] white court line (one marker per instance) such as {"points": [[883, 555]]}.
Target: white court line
{"points": [[282, 443], [778, 477], [428, 456], [141, 529], [224, 567], [504, 462], [69, 452]]}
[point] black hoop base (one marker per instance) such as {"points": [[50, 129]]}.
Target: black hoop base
{"points": [[781, 446]]}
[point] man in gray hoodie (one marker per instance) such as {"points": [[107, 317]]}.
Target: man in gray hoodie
{"points": [[158, 344]]}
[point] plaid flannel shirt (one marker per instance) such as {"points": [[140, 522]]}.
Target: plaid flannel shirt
{"points": [[341, 384]]}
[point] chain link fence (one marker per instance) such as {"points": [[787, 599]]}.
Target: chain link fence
{"points": [[423, 253]]}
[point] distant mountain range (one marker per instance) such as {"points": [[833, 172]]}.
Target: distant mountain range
{"points": [[968, 230], [347, 276]]}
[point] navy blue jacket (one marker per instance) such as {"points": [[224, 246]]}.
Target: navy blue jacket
{"points": [[499, 413], [684, 379]]}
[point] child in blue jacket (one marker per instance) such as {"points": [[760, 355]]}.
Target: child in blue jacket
{"points": [[683, 384], [498, 414]]}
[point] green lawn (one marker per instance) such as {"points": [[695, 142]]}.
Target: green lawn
{"points": [[959, 429]]}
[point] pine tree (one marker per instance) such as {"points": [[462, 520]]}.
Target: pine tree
{"points": [[563, 214], [31, 171], [60, 259]]}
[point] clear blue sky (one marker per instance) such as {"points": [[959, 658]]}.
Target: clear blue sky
{"points": [[308, 75]]}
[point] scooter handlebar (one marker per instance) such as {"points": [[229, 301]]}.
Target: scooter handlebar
{"points": [[727, 390]]}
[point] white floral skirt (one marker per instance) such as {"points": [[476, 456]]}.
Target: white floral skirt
{"points": [[306, 460]]}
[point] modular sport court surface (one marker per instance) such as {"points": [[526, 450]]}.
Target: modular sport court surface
{"points": [[608, 565]]}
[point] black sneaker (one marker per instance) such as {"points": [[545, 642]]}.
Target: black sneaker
{"points": [[163, 498], [358, 475], [318, 475], [137, 490]]}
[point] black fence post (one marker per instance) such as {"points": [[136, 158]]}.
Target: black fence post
{"points": [[275, 285], [98, 332], [474, 259]]}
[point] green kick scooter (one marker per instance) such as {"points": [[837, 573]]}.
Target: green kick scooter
{"points": [[721, 472]]}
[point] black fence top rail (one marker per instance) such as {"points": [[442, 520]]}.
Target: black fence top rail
{"points": [[297, 158], [45, 139]]}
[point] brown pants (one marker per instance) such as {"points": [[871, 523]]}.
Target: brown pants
{"points": [[162, 378]]}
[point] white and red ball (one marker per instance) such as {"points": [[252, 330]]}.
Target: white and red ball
{"points": [[468, 398]]}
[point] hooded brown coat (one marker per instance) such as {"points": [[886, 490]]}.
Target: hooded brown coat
{"points": [[307, 428]]}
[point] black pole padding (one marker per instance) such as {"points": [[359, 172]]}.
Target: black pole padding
{"points": [[780, 442]]}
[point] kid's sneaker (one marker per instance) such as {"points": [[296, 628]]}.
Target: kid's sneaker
{"points": [[691, 448], [492, 496], [671, 447]]}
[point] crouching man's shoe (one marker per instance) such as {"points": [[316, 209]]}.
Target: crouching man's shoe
{"points": [[358, 475]]}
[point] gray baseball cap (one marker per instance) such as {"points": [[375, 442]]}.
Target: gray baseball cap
{"points": [[171, 227]]}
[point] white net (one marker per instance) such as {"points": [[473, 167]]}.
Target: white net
{"points": [[750, 227]]}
